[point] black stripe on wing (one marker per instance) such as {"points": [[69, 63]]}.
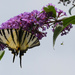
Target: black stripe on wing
{"points": [[35, 43], [3, 31], [20, 35], [11, 31], [30, 39], [0, 33], [8, 31], [24, 37], [16, 31], [33, 38]]}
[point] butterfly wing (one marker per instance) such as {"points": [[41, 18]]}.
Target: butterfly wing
{"points": [[18, 40], [9, 38], [28, 40]]}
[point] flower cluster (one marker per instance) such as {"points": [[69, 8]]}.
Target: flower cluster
{"points": [[31, 22], [66, 30], [35, 22]]}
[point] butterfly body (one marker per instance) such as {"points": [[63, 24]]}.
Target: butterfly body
{"points": [[18, 41]]}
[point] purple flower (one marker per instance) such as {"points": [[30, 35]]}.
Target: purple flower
{"points": [[66, 30], [2, 47], [41, 35], [34, 21]]}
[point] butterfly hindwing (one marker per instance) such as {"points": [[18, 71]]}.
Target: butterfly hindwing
{"points": [[28, 41]]}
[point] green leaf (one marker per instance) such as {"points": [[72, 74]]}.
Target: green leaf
{"points": [[66, 22], [71, 9], [57, 31], [1, 54], [69, 20], [46, 9], [50, 9]]}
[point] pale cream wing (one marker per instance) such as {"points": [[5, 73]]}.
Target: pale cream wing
{"points": [[10, 38], [28, 41]]}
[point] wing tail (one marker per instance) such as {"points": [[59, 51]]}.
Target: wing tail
{"points": [[13, 58], [20, 56]]}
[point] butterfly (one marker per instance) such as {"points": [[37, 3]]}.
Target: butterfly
{"points": [[18, 41]]}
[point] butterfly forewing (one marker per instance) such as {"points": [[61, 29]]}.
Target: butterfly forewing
{"points": [[9, 37], [18, 38]]}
